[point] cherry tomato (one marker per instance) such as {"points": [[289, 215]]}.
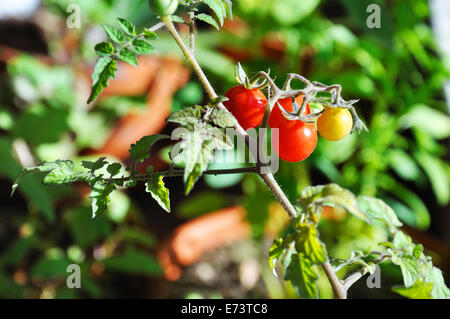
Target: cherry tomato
{"points": [[335, 123], [295, 142], [277, 119], [247, 105]]}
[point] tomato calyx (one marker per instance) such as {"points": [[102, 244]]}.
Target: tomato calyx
{"points": [[299, 112], [243, 80]]}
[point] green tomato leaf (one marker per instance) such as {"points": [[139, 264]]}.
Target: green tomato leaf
{"points": [[104, 71], [100, 196], [104, 49], [197, 147], [58, 172], [197, 155], [313, 198], [176, 19], [113, 33], [223, 118], [114, 169], [218, 8], [376, 209], [307, 242], [128, 57], [275, 252], [127, 26], [208, 19], [419, 290], [155, 186], [228, 5], [409, 267], [185, 116], [140, 150], [150, 35], [403, 241], [417, 252], [142, 47], [299, 270], [93, 166], [434, 275]]}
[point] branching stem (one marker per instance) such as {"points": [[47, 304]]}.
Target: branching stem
{"points": [[269, 179]]}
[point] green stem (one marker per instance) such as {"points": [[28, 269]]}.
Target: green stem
{"points": [[175, 173], [338, 288], [192, 32]]}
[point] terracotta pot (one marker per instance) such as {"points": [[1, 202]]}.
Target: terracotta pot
{"points": [[191, 240]]}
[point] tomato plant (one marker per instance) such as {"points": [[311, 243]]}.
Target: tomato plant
{"points": [[203, 130]]}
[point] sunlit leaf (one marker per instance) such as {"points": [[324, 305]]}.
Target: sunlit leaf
{"points": [[142, 47], [104, 49], [299, 270], [127, 56], [100, 196], [155, 186], [307, 242], [104, 71], [140, 150], [114, 34], [127, 26], [376, 209]]}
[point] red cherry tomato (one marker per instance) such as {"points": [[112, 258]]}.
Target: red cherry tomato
{"points": [[295, 140], [247, 105], [277, 119]]}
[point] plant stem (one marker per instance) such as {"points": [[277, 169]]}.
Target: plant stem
{"points": [[192, 32], [267, 178], [338, 288], [350, 280], [175, 173], [157, 26], [279, 194]]}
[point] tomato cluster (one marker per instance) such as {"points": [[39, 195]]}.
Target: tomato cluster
{"points": [[292, 140]]}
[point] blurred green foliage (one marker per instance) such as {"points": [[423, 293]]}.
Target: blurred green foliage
{"points": [[395, 71]]}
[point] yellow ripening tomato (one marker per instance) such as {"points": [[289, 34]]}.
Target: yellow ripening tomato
{"points": [[335, 123]]}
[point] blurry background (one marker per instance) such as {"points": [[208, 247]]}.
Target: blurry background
{"points": [[214, 244]]}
